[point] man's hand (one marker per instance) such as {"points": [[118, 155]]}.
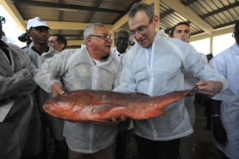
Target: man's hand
{"points": [[117, 121], [57, 89], [219, 132], [209, 88]]}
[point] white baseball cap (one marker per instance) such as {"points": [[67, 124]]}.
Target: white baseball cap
{"points": [[36, 22]]}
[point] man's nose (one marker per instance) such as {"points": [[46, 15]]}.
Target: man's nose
{"points": [[183, 34], [109, 40], [137, 35]]}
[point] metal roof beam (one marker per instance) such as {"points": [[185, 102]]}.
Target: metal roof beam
{"points": [[124, 19], [168, 12], [69, 25], [188, 14], [187, 2], [63, 6], [220, 10], [127, 10]]}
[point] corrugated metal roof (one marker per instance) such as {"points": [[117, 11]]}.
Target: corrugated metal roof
{"points": [[217, 14]]}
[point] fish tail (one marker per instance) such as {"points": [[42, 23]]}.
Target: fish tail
{"points": [[172, 97]]}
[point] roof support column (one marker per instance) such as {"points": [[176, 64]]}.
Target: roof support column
{"points": [[112, 33], [156, 10], [211, 44]]}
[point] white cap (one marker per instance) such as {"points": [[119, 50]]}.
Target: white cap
{"points": [[36, 22]]}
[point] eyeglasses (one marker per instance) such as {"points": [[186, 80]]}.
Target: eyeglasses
{"points": [[2, 20], [140, 29], [105, 37]]}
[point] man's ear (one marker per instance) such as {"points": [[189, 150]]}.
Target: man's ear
{"points": [[88, 41], [29, 32], [156, 21], [62, 46]]}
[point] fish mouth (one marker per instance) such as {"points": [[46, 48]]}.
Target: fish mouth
{"points": [[51, 102], [50, 105]]}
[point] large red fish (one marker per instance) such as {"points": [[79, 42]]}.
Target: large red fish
{"points": [[101, 106]]}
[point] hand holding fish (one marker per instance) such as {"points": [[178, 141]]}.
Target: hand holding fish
{"points": [[57, 89], [209, 88]]}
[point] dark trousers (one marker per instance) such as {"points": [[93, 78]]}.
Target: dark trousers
{"points": [[107, 153], [121, 145], [157, 149]]}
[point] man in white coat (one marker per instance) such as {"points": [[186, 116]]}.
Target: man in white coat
{"points": [[121, 43], [182, 32], [154, 66], [39, 51], [225, 106], [91, 67]]}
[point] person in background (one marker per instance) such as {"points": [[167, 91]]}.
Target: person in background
{"points": [[182, 32], [225, 106], [91, 67], [39, 51], [154, 66], [58, 42], [20, 135], [121, 43]]}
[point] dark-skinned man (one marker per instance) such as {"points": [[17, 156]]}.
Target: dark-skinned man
{"points": [[39, 51]]}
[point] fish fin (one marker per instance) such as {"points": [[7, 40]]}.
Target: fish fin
{"points": [[143, 94]]}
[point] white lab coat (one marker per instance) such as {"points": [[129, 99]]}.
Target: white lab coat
{"points": [[78, 71], [56, 124], [20, 132], [227, 63], [165, 75], [117, 55]]}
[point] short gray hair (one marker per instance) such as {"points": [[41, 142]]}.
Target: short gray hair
{"points": [[90, 29], [148, 9]]}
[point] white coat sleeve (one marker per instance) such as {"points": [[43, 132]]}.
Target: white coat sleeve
{"points": [[218, 64], [196, 63], [21, 82], [50, 72]]}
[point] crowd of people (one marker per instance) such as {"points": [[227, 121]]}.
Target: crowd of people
{"points": [[155, 65]]}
